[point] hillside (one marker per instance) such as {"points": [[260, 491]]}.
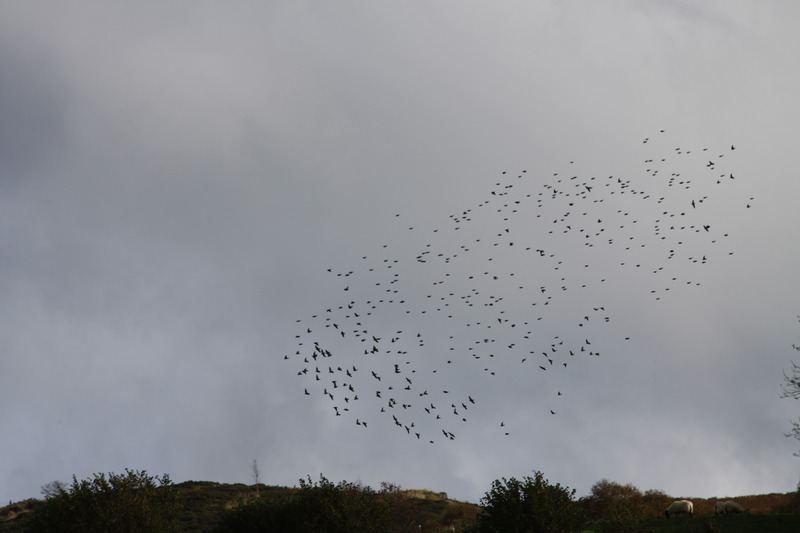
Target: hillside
{"points": [[204, 503], [774, 503]]}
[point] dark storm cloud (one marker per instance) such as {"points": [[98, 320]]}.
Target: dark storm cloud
{"points": [[177, 181]]}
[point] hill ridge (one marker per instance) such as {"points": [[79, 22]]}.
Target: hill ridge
{"points": [[205, 502]]}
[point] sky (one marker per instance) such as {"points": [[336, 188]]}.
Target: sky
{"points": [[192, 194]]}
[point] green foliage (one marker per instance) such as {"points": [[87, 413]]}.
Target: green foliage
{"points": [[133, 502], [608, 498], [531, 505], [205, 502], [614, 507], [656, 501], [342, 508], [262, 514], [316, 507]]}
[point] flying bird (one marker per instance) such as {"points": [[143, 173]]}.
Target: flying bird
{"points": [[550, 248]]}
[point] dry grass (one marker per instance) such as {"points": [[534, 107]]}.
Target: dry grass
{"points": [[755, 503]]}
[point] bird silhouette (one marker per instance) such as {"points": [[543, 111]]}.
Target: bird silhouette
{"points": [[517, 273]]}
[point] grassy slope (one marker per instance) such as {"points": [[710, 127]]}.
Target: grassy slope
{"points": [[767, 513], [749, 523]]}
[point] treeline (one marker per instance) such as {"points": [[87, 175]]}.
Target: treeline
{"points": [[136, 502]]}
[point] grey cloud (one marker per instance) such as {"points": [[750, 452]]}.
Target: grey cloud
{"points": [[178, 180]]}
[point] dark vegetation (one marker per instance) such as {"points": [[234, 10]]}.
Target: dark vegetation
{"points": [[136, 502], [530, 504], [347, 507], [130, 502], [206, 507]]}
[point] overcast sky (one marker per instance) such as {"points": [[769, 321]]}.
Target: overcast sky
{"points": [[178, 178]]}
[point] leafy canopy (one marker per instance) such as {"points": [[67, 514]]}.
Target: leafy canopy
{"points": [[530, 505], [321, 506], [133, 502]]}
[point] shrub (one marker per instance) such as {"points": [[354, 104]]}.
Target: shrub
{"points": [[531, 505], [616, 508], [133, 502], [322, 506]]}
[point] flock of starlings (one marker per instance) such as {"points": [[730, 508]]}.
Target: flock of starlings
{"points": [[510, 287]]}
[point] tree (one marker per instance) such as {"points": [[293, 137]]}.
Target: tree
{"points": [[655, 501], [615, 507], [609, 498], [256, 474], [133, 502], [791, 389], [531, 505], [53, 489]]}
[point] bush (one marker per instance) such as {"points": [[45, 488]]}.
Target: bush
{"points": [[617, 508], [655, 502], [532, 505], [133, 502], [325, 507]]}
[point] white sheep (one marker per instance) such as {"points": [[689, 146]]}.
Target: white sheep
{"points": [[729, 507], [680, 507]]}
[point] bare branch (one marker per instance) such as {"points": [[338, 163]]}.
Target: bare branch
{"points": [[256, 473]]}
